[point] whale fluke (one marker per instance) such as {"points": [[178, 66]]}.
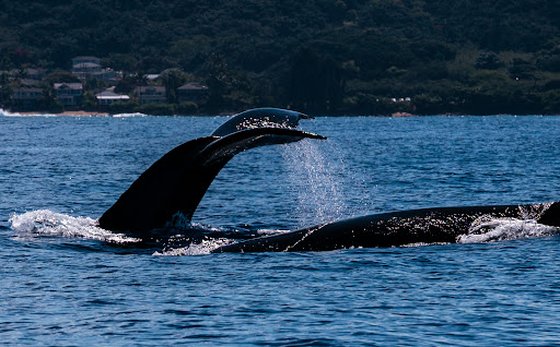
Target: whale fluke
{"points": [[261, 118], [177, 182]]}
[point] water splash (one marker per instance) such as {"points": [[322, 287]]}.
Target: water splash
{"points": [[534, 212], [45, 223], [203, 247], [319, 194], [487, 229], [129, 115], [180, 245], [6, 113]]}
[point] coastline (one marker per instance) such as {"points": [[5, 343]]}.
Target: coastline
{"points": [[83, 113], [77, 113]]}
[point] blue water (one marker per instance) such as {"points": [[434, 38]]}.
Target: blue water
{"points": [[62, 284]]}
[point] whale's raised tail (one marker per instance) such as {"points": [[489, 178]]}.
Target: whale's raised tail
{"points": [[177, 182]]}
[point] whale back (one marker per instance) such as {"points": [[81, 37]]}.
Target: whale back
{"points": [[433, 225], [551, 216]]}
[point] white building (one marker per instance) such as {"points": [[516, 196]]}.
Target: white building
{"points": [[90, 68], [109, 97]]}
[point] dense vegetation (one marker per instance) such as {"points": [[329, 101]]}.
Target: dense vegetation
{"points": [[325, 56]]}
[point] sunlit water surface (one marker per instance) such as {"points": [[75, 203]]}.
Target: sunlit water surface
{"points": [[63, 281]]}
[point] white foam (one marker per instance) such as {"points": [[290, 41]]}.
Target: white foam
{"points": [[129, 115], [45, 223], [6, 113], [423, 244], [268, 232], [204, 247], [487, 229]]}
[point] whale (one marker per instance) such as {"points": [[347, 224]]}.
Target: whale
{"points": [[412, 227], [173, 186], [176, 183]]}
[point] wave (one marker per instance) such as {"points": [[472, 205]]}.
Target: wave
{"points": [[6, 113], [46, 223], [203, 247], [129, 115], [208, 243]]}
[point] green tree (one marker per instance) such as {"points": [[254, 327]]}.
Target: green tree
{"points": [[220, 81], [315, 83], [172, 79], [61, 76]]}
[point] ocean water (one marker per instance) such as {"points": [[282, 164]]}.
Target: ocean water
{"points": [[65, 282]]}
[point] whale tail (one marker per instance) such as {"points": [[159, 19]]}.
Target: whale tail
{"points": [[178, 181]]}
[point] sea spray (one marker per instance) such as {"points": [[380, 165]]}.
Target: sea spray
{"points": [[314, 178], [203, 247], [45, 223], [489, 229]]}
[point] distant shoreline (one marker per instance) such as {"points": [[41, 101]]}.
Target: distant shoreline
{"points": [[83, 113], [77, 113]]}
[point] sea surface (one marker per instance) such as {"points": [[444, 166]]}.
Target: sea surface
{"points": [[65, 282]]}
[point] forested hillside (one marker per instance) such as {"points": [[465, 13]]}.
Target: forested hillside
{"points": [[324, 56]]}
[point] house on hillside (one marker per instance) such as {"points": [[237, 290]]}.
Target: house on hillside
{"points": [[150, 94], [151, 78], [90, 68], [27, 82], [36, 74], [108, 97], [84, 67], [109, 75], [69, 94], [27, 97], [192, 92], [85, 59]]}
